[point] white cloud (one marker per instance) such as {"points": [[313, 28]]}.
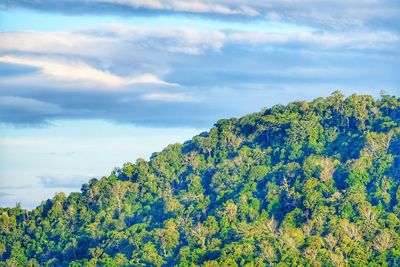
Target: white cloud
{"points": [[324, 39], [182, 40], [195, 6], [333, 14], [106, 39], [168, 97], [79, 74], [54, 42], [115, 41]]}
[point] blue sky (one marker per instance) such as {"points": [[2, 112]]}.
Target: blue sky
{"points": [[88, 85]]}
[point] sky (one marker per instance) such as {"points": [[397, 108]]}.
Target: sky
{"points": [[86, 86]]}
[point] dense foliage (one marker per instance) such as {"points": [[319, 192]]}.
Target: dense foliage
{"points": [[311, 184]]}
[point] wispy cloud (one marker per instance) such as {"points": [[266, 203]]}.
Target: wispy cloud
{"points": [[166, 74], [105, 41], [327, 40], [331, 14], [71, 43], [169, 97], [181, 39], [77, 73], [195, 6]]}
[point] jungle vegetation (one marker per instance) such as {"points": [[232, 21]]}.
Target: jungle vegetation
{"points": [[307, 184]]}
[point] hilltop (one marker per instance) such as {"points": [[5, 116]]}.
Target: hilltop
{"points": [[311, 183]]}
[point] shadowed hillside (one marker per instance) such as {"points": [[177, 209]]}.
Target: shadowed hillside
{"points": [[311, 183]]}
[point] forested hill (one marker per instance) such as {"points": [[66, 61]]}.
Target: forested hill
{"points": [[307, 184]]}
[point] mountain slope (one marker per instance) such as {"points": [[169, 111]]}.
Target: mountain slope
{"points": [[311, 183]]}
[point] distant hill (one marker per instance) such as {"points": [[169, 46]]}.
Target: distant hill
{"points": [[307, 184]]}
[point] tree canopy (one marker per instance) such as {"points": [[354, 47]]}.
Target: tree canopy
{"points": [[310, 184]]}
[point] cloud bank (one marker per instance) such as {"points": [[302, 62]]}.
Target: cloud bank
{"points": [[169, 75], [331, 14], [75, 74]]}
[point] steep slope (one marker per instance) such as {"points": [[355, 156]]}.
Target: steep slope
{"points": [[313, 183]]}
